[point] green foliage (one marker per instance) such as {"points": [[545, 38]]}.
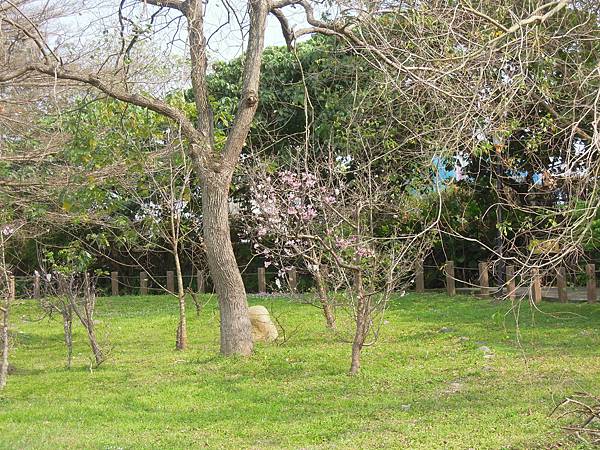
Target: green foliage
{"points": [[321, 84], [69, 260]]}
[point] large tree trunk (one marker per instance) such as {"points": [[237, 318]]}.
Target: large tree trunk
{"points": [[215, 168], [236, 336]]}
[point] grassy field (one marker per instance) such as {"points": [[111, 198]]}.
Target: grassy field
{"points": [[428, 382]]}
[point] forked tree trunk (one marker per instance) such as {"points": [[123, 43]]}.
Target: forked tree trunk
{"points": [[236, 337], [215, 168], [324, 300], [181, 342]]}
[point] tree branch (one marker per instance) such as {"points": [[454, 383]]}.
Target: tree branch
{"points": [[180, 5], [197, 40], [113, 91], [259, 9], [286, 30]]}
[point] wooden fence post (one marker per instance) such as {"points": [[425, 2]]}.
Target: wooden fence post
{"points": [[114, 283], [536, 285], [420, 278], [450, 281], [293, 280], [143, 283], [561, 284], [484, 280], [262, 281], [36, 284], [170, 281], [591, 283], [510, 279], [200, 281]]}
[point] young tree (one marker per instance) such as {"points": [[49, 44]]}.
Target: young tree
{"points": [[56, 299], [69, 289], [164, 218]]}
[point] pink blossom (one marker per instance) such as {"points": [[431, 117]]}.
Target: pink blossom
{"points": [[342, 243], [309, 179], [364, 252], [329, 199], [309, 213]]}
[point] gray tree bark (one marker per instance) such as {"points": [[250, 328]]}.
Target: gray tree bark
{"points": [[236, 336]]}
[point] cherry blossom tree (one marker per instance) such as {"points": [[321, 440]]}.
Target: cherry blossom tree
{"points": [[352, 228]]}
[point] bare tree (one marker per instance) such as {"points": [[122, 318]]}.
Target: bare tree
{"points": [[69, 289], [55, 299], [79, 293], [511, 92]]}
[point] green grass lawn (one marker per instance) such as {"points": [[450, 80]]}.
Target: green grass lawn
{"points": [[419, 387]]}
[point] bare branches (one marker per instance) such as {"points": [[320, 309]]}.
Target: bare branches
{"points": [[180, 5], [30, 29], [71, 293], [586, 409], [112, 90], [486, 17]]}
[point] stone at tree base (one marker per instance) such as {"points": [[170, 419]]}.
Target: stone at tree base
{"points": [[263, 329]]}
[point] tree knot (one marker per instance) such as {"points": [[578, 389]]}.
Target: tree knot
{"points": [[252, 99]]}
